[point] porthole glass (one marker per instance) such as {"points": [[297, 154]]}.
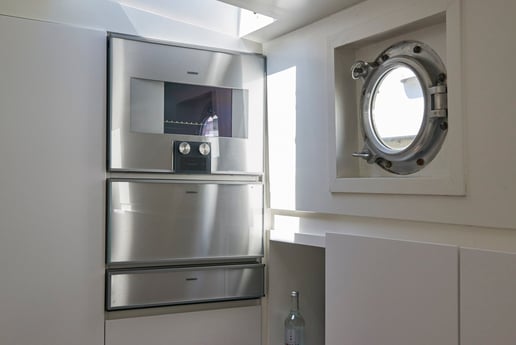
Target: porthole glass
{"points": [[403, 107], [397, 108]]}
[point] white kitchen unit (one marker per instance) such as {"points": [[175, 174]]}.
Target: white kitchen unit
{"points": [[52, 125], [240, 326], [487, 297], [390, 292]]}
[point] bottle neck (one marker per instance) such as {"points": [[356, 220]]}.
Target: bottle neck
{"points": [[294, 301]]}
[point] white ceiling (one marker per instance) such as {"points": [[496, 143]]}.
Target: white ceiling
{"points": [[289, 14], [222, 15], [208, 14]]}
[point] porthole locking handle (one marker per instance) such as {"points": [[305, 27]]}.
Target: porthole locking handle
{"points": [[364, 154], [360, 70]]}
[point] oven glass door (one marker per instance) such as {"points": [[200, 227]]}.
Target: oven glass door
{"points": [[184, 109]]}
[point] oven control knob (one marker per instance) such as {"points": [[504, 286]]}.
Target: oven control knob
{"points": [[204, 149], [184, 148]]}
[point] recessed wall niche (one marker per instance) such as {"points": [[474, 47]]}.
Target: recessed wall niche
{"points": [[437, 27]]}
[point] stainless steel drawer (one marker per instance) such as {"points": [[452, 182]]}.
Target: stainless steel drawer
{"points": [[139, 288], [158, 222]]}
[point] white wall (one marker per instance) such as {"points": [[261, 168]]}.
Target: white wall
{"points": [[111, 15], [490, 120]]}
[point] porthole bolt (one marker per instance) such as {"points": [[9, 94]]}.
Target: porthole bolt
{"points": [[384, 163], [387, 164]]}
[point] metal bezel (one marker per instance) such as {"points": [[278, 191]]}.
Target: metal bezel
{"points": [[431, 74]]}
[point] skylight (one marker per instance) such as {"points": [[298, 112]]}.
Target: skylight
{"points": [[210, 14], [251, 21]]}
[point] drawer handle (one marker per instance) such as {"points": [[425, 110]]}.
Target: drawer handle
{"points": [[191, 279]]}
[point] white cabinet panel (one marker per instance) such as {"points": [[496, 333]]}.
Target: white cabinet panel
{"points": [[240, 326], [389, 292], [52, 125], [488, 297]]}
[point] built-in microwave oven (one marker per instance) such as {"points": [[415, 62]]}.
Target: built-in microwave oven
{"points": [[183, 109]]}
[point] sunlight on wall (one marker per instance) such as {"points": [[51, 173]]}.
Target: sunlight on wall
{"points": [[281, 99], [290, 223]]}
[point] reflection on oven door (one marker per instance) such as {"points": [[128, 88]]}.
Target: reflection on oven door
{"points": [[160, 222], [137, 288]]}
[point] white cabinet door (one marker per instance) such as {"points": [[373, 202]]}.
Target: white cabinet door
{"points": [[389, 292], [488, 297], [52, 125], [240, 326]]}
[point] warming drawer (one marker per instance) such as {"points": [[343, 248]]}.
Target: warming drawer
{"points": [[137, 288], [163, 222]]}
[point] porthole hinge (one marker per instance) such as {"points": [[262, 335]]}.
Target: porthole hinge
{"points": [[439, 97]]}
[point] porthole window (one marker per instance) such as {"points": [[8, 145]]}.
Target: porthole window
{"points": [[403, 107]]}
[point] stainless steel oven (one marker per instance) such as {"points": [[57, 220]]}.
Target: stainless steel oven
{"points": [[185, 167], [160, 94]]}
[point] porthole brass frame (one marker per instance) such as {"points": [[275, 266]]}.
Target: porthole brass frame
{"points": [[430, 71]]}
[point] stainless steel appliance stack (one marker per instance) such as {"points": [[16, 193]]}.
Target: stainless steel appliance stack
{"points": [[185, 167]]}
